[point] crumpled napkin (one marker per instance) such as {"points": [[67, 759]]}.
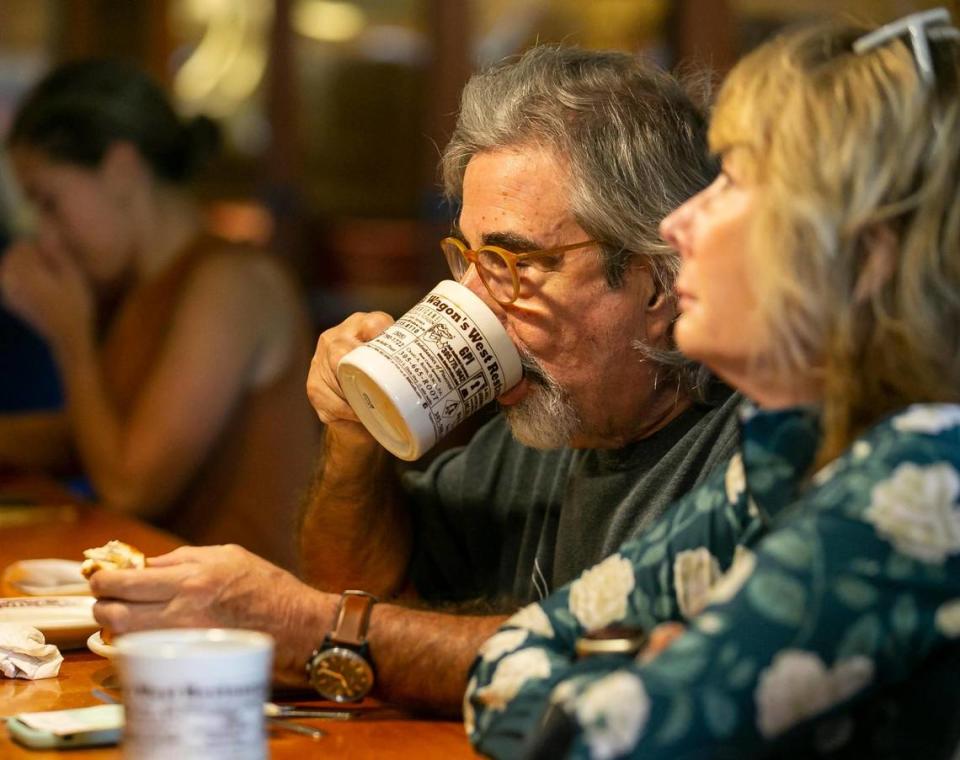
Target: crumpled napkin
{"points": [[24, 653]]}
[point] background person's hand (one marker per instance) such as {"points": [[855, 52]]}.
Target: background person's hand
{"points": [[323, 388], [46, 288]]}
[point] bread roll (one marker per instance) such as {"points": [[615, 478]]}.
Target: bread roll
{"points": [[114, 555]]}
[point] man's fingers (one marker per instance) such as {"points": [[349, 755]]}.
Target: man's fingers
{"points": [[323, 386], [176, 557], [149, 584], [366, 326], [122, 618]]}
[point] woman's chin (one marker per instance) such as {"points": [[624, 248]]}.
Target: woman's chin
{"points": [[689, 338]]}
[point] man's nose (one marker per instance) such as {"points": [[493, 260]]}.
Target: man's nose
{"points": [[471, 279], [675, 226]]}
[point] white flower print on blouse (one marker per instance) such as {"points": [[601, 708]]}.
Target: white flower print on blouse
{"points": [[599, 596], [928, 418], [469, 714], [916, 508], [694, 573], [744, 561], [511, 674], [735, 481], [948, 618], [798, 685], [534, 619], [613, 712], [500, 643]]}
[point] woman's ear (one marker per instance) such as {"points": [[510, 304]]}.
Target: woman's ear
{"points": [[878, 261]]}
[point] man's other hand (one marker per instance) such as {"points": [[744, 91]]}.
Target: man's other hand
{"points": [[323, 388]]}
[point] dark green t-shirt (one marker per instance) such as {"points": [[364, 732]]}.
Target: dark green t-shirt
{"points": [[500, 521]]}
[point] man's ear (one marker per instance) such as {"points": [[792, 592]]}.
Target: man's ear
{"points": [[659, 299], [660, 305]]}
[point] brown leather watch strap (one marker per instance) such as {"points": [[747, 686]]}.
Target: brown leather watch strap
{"points": [[353, 618]]}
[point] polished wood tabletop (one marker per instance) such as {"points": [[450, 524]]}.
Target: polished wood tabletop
{"points": [[49, 524]]}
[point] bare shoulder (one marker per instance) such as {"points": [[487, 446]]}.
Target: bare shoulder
{"points": [[246, 272], [249, 293]]}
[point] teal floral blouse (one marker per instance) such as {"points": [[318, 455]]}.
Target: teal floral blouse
{"points": [[805, 600]]}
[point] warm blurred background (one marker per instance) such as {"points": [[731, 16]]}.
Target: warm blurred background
{"points": [[334, 110]]}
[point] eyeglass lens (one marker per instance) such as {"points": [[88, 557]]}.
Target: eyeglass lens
{"points": [[494, 270]]}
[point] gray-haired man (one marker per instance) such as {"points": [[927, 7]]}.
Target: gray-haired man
{"points": [[557, 148]]}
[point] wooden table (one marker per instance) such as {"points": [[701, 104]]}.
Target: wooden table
{"points": [[64, 532]]}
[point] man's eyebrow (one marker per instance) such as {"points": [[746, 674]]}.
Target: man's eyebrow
{"points": [[511, 241]]}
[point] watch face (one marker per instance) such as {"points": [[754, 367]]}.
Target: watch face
{"points": [[341, 674]]}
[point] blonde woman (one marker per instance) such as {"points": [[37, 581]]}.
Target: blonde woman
{"points": [[817, 575]]}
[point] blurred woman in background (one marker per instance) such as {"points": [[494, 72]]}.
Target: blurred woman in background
{"points": [[183, 357], [821, 277]]}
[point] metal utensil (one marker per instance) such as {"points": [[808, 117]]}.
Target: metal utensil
{"points": [[282, 725], [273, 710]]}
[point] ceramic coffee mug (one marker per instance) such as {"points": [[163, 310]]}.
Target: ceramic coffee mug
{"points": [[194, 694], [430, 370]]}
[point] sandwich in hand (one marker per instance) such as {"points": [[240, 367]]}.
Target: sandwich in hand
{"points": [[113, 555]]}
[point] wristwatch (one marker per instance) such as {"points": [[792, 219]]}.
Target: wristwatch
{"points": [[340, 669]]}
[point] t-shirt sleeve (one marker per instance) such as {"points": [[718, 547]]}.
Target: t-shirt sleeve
{"points": [[846, 599]]}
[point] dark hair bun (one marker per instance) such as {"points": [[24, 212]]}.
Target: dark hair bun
{"points": [[81, 108]]}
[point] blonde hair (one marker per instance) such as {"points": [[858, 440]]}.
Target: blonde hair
{"points": [[856, 242]]}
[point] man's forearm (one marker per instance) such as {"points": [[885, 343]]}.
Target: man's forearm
{"points": [[355, 531], [422, 657]]}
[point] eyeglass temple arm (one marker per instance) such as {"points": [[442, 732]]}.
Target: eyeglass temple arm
{"points": [[558, 249]]}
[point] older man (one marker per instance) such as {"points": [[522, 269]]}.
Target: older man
{"points": [[609, 425]]}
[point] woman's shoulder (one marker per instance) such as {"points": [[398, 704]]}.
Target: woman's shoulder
{"points": [[243, 270], [903, 476], [920, 432]]}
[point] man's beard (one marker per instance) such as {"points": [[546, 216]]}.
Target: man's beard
{"points": [[545, 418]]}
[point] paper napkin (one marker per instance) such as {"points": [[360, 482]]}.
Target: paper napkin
{"points": [[25, 654]]}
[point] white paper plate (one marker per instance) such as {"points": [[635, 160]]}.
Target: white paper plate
{"points": [[46, 577], [96, 645], [66, 621]]}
